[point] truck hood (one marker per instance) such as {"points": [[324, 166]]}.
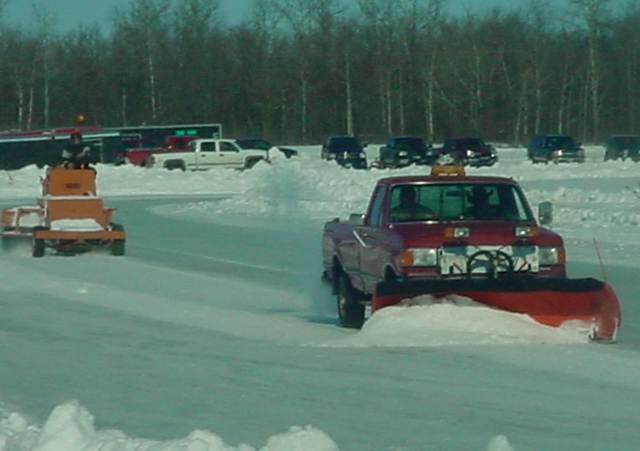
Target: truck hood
{"points": [[481, 233], [484, 150]]}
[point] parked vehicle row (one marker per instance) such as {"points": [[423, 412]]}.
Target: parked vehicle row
{"points": [[405, 150], [402, 151], [562, 148], [349, 151]]}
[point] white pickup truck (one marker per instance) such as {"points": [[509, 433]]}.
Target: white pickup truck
{"points": [[203, 154]]}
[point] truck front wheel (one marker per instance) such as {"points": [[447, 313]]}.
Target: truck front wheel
{"points": [[350, 309]]}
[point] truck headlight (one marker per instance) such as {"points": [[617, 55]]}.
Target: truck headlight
{"points": [[457, 232], [419, 257], [403, 153], [526, 231], [551, 255]]}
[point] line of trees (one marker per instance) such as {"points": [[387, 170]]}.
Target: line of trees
{"points": [[295, 71]]}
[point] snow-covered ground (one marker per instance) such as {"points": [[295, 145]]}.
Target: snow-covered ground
{"points": [[215, 333]]}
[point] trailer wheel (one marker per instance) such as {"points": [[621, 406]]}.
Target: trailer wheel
{"points": [[350, 309], [38, 245]]}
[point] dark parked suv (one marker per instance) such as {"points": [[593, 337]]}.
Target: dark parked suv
{"points": [[346, 150], [470, 150], [555, 148], [622, 147], [403, 151]]}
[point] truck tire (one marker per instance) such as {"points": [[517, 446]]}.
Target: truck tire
{"points": [[175, 164], [350, 310], [251, 162]]}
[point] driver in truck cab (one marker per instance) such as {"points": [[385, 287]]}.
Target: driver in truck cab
{"points": [[408, 208], [479, 203]]}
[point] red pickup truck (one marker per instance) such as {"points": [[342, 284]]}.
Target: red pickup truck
{"points": [[138, 156], [450, 233]]}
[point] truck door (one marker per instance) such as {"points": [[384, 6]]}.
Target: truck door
{"points": [[371, 237], [230, 155], [207, 155]]}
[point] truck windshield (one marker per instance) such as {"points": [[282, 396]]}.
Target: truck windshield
{"points": [[625, 142], [345, 142], [410, 143], [560, 141], [468, 143], [458, 202]]}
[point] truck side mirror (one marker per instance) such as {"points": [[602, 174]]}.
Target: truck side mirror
{"points": [[356, 219], [545, 213]]}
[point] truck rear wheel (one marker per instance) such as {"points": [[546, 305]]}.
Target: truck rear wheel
{"points": [[175, 164], [350, 309], [251, 162]]}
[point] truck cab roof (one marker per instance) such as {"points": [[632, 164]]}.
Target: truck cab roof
{"points": [[420, 179]]}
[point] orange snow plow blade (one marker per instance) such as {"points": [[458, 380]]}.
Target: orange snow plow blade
{"points": [[549, 301]]}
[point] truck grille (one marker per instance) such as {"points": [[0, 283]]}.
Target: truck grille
{"points": [[462, 260]]}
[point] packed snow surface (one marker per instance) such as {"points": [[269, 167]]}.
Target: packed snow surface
{"points": [[215, 333]]}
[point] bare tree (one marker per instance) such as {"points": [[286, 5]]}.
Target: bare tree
{"points": [[595, 15], [143, 25], [189, 56], [18, 57], [381, 20], [306, 19], [46, 22]]}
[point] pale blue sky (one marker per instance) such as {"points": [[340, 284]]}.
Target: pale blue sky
{"points": [[69, 14]]}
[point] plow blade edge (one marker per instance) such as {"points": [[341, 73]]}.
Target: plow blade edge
{"points": [[549, 301]]}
